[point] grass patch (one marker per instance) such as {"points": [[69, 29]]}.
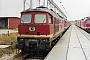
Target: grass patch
{"points": [[8, 40]]}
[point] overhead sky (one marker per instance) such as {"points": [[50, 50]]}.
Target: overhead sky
{"points": [[76, 9]]}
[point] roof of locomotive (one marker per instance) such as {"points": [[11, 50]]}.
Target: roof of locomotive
{"points": [[43, 9], [86, 18]]}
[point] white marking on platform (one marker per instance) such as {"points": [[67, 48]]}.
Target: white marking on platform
{"points": [[75, 54]]}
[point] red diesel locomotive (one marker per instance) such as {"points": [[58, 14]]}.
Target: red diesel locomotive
{"points": [[84, 24], [39, 29]]}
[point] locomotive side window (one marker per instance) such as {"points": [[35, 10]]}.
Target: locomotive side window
{"points": [[26, 18], [56, 20], [40, 18], [88, 21], [50, 20]]}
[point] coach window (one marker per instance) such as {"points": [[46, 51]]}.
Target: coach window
{"points": [[50, 20]]}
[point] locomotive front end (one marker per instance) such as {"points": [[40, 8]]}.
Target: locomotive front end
{"points": [[34, 32], [87, 25]]}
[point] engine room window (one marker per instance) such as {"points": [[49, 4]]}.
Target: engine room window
{"points": [[88, 21], [40, 18], [26, 18]]}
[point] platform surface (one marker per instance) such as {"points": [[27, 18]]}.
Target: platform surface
{"points": [[74, 45]]}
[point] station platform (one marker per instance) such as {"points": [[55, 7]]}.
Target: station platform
{"points": [[74, 45]]}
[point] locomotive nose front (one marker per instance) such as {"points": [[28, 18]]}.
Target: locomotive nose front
{"points": [[35, 32], [34, 25]]}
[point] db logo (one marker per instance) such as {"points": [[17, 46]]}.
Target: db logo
{"points": [[32, 28]]}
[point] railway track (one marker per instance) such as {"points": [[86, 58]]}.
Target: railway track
{"points": [[28, 57], [31, 56], [19, 56]]}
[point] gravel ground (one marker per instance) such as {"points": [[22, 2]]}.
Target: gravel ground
{"points": [[7, 57]]}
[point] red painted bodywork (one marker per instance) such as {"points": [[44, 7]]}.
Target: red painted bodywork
{"points": [[83, 23], [87, 24], [68, 24], [43, 28], [47, 28]]}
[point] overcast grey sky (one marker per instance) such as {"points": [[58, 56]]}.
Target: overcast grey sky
{"points": [[76, 9], [11, 7]]}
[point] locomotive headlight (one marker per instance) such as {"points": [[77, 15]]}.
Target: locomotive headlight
{"points": [[20, 41], [32, 28]]}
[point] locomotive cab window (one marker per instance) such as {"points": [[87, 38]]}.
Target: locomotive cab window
{"points": [[40, 18], [26, 18], [88, 21]]}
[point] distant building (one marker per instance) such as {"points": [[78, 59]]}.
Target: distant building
{"points": [[9, 22]]}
